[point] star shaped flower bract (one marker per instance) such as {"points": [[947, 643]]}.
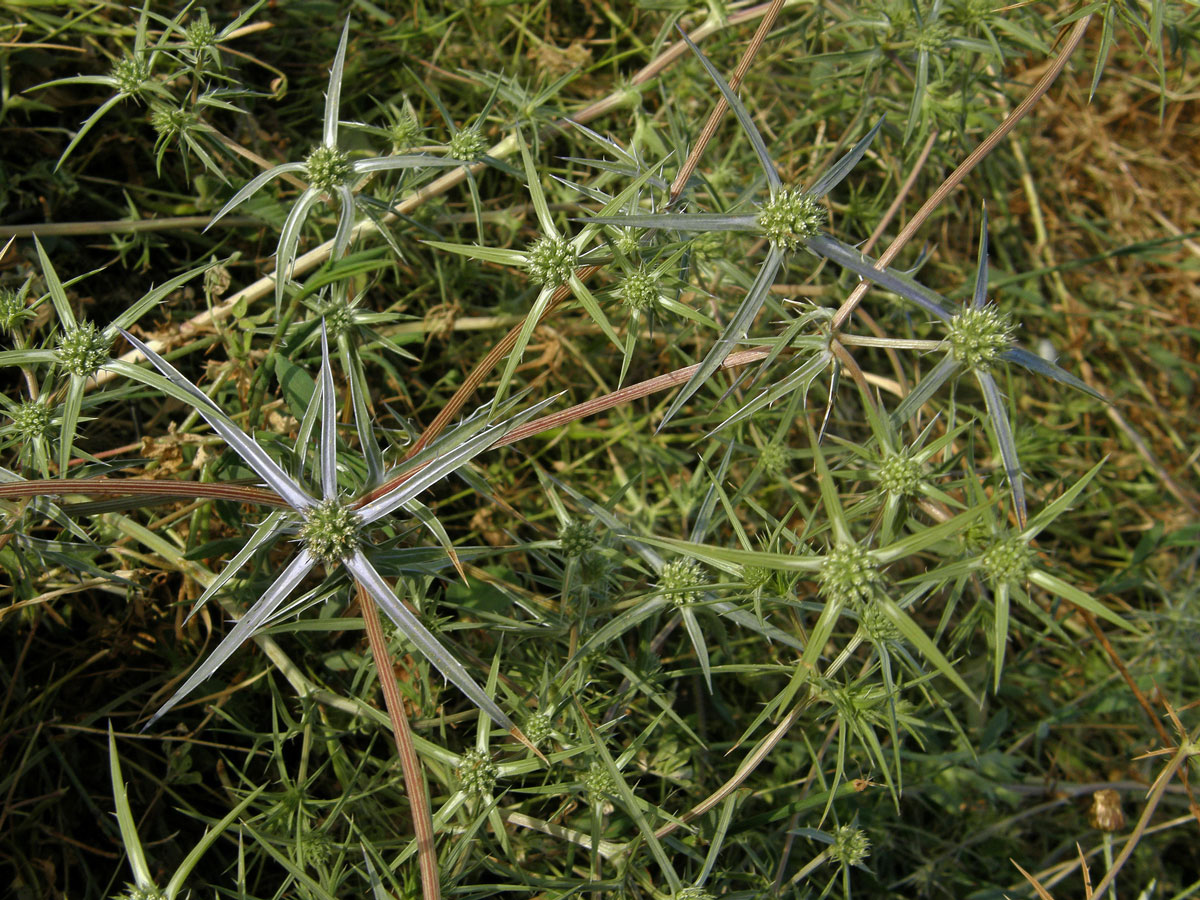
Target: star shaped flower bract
{"points": [[332, 529], [329, 171]]}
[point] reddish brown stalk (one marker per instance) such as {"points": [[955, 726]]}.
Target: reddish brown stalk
{"points": [[410, 763], [974, 158], [722, 107], [138, 487]]}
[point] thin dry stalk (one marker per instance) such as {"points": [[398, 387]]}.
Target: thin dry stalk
{"points": [[410, 764]]}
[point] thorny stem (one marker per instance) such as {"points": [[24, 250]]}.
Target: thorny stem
{"points": [[410, 764]]}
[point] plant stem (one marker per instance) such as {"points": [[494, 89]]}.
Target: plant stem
{"points": [[410, 764]]}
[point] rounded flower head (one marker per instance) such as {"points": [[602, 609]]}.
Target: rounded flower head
{"points": [[31, 420], [899, 475], [1007, 560], [682, 578], [134, 892], [331, 530], [200, 34], [576, 538], [538, 727], [132, 74], [13, 309], [850, 845], [756, 577], [848, 576], [328, 168], [978, 335], [640, 289], [83, 350], [552, 261], [405, 131], [172, 123], [467, 145], [789, 218], [692, 892], [477, 773], [774, 459], [598, 783]]}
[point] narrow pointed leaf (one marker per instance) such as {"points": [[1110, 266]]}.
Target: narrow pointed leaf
{"points": [[696, 636], [125, 821], [1074, 595], [863, 266], [244, 445], [840, 169], [58, 296], [87, 126], [175, 885], [268, 529], [443, 465], [289, 240], [1000, 600], [429, 646], [979, 297], [1035, 363], [1060, 505], [333, 96], [536, 195], [72, 404], [998, 415], [678, 221], [924, 389], [252, 187], [919, 639], [405, 161], [150, 300], [345, 226], [328, 423], [743, 117], [245, 628], [734, 332]]}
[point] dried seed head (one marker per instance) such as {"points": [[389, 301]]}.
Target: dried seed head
{"points": [[552, 261], [331, 530], [979, 335], [789, 218], [477, 773], [1106, 813], [83, 350], [327, 168], [847, 575]]}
